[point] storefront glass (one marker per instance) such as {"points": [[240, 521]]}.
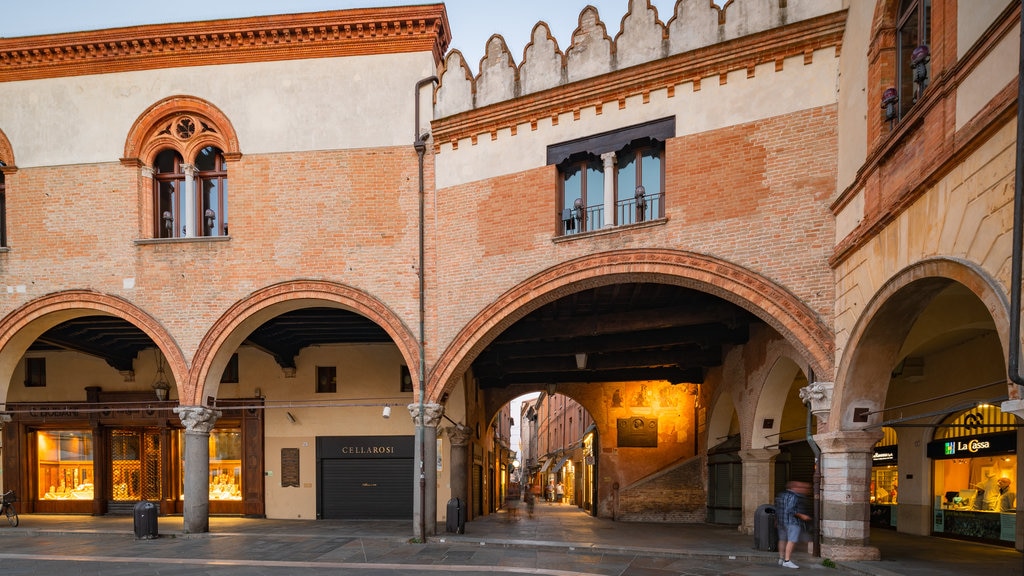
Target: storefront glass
{"points": [[974, 494], [65, 469], [225, 464], [884, 480]]}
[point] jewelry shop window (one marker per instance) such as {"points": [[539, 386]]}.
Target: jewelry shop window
{"points": [[225, 464], [612, 179], [65, 465]]}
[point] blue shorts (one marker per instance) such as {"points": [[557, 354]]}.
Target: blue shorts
{"points": [[790, 532]]}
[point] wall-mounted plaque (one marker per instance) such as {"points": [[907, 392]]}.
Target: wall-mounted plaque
{"points": [[637, 432], [289, 467]]}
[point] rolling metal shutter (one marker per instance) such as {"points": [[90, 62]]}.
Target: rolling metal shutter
{"points": [[367, 489]]}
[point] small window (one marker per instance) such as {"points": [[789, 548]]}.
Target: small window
{"points": [[913, 30], [230, 375], [326, 379], [632, 158], [35, 372], [406, 379], [3, 208]]}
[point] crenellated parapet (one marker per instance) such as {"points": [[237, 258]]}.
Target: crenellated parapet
{"points": [[641, 38]]}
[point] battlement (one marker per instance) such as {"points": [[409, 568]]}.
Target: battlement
{"points": [[642, 38]]}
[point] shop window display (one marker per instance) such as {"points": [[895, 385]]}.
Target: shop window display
{"points": [[974, 493], [65, 469], [225, 464]]}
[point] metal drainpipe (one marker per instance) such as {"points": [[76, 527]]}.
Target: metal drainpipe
{"points": [[420, 144], [1018, 228], [816, 488]]}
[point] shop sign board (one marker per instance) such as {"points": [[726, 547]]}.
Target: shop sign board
{"points": [[971, 446]]}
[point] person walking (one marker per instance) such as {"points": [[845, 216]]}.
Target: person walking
{"points": [[791, 513], [559, 492]]}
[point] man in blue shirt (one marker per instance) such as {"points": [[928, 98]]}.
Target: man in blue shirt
{"points": [[790, 514]]}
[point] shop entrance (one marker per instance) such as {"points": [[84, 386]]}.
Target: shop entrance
{"points": [[365, 477], [136, 467]]}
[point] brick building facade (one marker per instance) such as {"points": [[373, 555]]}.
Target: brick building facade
{"points": [[698, 227]]}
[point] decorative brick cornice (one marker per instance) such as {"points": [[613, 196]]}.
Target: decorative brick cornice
{"points": [[773, 46], [258, 39]]}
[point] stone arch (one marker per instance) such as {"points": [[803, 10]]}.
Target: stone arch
{"points": [[228, 332], [20, 328], [723, 410], [877, 337], [779, 308], [157, 129], [772, 400], [6, 151]]}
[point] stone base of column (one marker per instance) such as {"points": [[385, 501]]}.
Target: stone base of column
{"points": [[852, 551]]}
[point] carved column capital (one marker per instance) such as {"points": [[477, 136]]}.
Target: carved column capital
{"points": [[198, 419], [819, 395], [459, 435], [433, 414]]}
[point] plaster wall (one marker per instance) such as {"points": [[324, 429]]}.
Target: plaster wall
{"points": [[316, 104], [852, 88], [972, 23], [998, 69]]}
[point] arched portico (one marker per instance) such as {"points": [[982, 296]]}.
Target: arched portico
{"points": [[770, 302], [19, 329], [884, 333]]}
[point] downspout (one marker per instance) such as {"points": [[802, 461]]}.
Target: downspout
{"points": [[420, 144], [816, 485], [1018, 231], [816, 488]]}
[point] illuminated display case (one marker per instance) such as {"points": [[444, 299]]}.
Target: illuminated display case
{"points": [[225, 465], [65, 465]]}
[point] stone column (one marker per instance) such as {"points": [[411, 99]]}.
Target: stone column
{"points": [[758, 475], [609, 188], [189, 217], [198, 421], [459, 437], [425, 495], [845, 507]]}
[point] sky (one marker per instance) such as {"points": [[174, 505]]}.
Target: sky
{"points": [[472, 21]]}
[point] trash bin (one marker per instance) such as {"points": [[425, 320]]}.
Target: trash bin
{"points": [[145, 520], [455, 521], [766, 534]]}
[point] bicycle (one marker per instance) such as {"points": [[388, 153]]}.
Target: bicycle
{"points": [[7, 507]]}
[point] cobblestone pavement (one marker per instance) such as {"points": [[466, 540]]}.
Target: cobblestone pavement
{"points": [[557, 541]]}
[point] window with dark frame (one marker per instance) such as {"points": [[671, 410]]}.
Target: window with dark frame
{"points": [[171, 198], [326, 379], [3, 209], [230, 374], [637, 185], [406, 379], [35, 372], [913, 29]]}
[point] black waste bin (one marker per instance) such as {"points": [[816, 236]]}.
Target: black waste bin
{"points": [[145, 520], [455, 521], [766, 534]]}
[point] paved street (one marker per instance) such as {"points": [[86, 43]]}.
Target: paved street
{"points": [[558, 541]]}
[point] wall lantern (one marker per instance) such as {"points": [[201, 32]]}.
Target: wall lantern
{"points": [[581, 360], [919, 59], [890, 102]]}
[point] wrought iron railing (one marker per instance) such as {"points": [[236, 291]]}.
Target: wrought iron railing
{"points": [[629, 211]]}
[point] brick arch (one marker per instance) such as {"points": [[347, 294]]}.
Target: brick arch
{"points": [[246, 315], [779, 308], [20, 328], [6, 152], [878, 335], [148, 135]]}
